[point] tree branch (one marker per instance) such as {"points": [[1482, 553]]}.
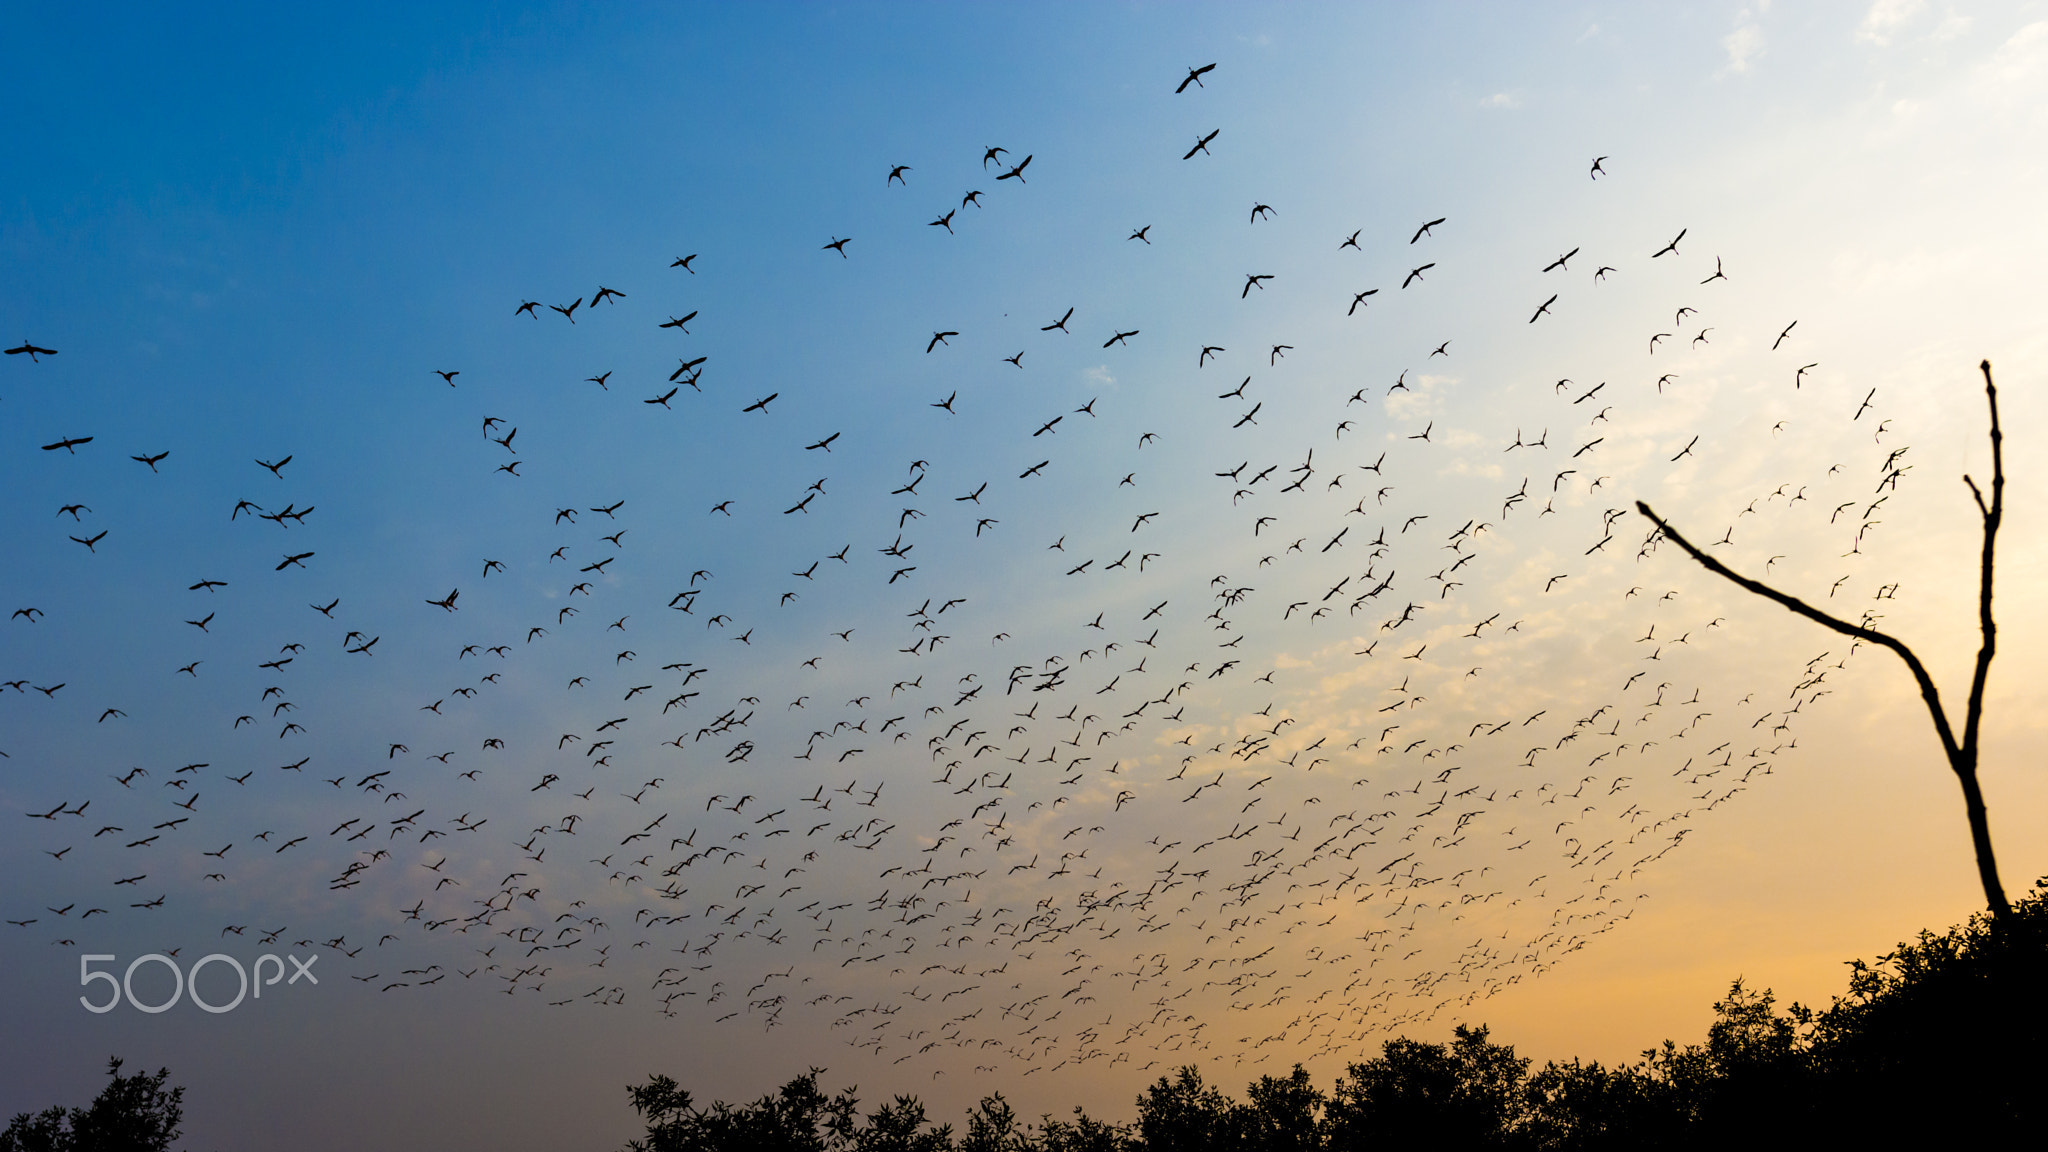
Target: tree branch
{"points": [[1928, 692], [1974, 713]]}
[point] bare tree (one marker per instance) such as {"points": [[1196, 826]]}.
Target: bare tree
{"points": [[1962, 757]]}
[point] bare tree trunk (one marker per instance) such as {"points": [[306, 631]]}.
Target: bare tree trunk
{"points": [[1962, 756]]}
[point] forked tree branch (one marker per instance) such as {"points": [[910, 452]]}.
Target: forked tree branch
{"points": [[1962, 758], [1992, 516]]}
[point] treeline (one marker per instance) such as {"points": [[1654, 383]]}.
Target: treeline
{"points": [[1941, 1043]]}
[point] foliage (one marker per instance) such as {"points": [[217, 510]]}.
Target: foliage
{"points": [[1466, 1093], [799, 1118], [1955, 1017], [1281, 1115], [1082, 1134], [131, 1114], [1186, 1115]]}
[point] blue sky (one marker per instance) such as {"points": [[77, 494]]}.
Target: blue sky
{"points": [[253, 235]]}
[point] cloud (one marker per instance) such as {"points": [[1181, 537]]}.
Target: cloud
{"points": [[1418, 399], [1744, 44], [2018, 68], [1509, 100], [1885, 18]]}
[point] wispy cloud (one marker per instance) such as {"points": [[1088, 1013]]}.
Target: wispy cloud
{"points": [[1744, 44], [1885, 19], [2018, 69]]}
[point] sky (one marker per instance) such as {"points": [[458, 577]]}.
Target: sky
{"points": [[1166, 607]]}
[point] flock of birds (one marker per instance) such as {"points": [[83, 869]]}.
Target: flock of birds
{"points": [[1274, 797]]}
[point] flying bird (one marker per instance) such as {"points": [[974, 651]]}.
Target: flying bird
{"points": [[1194, 77]]}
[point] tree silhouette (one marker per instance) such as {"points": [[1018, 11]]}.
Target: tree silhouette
{"points": [[1962, 756], [801, 1118], [1186, 1115], [131, 1114], [993, 1126], [1465, 1094], [1283, 1113]]}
